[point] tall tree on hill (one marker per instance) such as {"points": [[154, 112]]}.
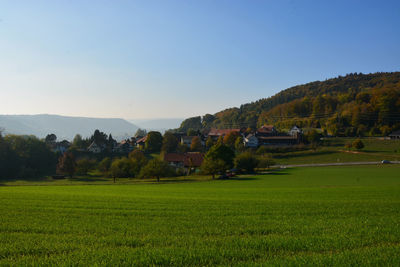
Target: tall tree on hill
{"points": [[191, 123], [111, 142], [99, 138], [50, 138]]}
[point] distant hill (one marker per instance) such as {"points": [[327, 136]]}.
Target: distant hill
{"points": [[64, 127], [355, 104], [157, 124]]}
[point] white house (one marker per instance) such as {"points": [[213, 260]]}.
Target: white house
{"points": [[295, 131], [95, 148], [250, 141]]}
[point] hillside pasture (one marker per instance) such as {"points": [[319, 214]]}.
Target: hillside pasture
{"points": [[333, 151]]}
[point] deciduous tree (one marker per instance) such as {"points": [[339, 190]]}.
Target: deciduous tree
{"points": [[156, 168], [170, 143], [154, 141], [213, 166], [246, 161], [196, 144], [358, 144], [67, 164]]}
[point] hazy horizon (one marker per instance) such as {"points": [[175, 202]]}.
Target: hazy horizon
{"points": [[174, 59]]}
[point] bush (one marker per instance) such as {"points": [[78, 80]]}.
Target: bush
{"points": [[358, 144], [83, 166], [246, 161], [265, 162]]}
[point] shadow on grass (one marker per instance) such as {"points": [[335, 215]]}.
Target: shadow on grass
{"points": [[277, 173], [252, 178], [88, 179], [36, 179], [311, 153]]}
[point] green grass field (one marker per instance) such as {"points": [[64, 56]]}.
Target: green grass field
{"points": [[304, 216], [333, 150]]}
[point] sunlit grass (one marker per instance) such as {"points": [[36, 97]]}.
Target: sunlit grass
{"points": [[305, 216]]}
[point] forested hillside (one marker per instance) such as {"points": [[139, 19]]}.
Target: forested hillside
{"points": [[355, 104]]}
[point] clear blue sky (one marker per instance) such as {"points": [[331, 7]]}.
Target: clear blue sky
{"points": [[156, 59]]}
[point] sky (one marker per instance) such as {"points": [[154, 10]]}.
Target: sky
{"points": [[177, 59]]}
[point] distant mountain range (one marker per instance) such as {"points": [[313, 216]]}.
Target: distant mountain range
{"points": [[64, 127], [157, 124]]}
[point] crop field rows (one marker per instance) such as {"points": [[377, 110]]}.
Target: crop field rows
{"points": [[305, 216]]}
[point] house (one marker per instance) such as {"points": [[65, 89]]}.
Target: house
{"points": [[395, 135], [141, 142], [266, 130], [124, 147], [95, 148], [250, 141], [216, 133], [295, 131], [184, 160], [278, 140]]}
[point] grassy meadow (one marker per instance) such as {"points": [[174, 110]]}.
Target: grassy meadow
{"points": [[333, 150], [301, 216]]}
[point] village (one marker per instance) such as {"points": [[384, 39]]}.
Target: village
{"points": [[190, 149]]}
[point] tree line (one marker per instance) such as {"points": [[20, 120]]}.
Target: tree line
{"points": [[24, 157]]}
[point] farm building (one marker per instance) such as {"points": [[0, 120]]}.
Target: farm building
{"points": [[216, 133]]}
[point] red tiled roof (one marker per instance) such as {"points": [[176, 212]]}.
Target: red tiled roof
{"points": [[194, 159], [174, 157], [277, 137], [266, 129], [219, 132], [142, 140]]}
